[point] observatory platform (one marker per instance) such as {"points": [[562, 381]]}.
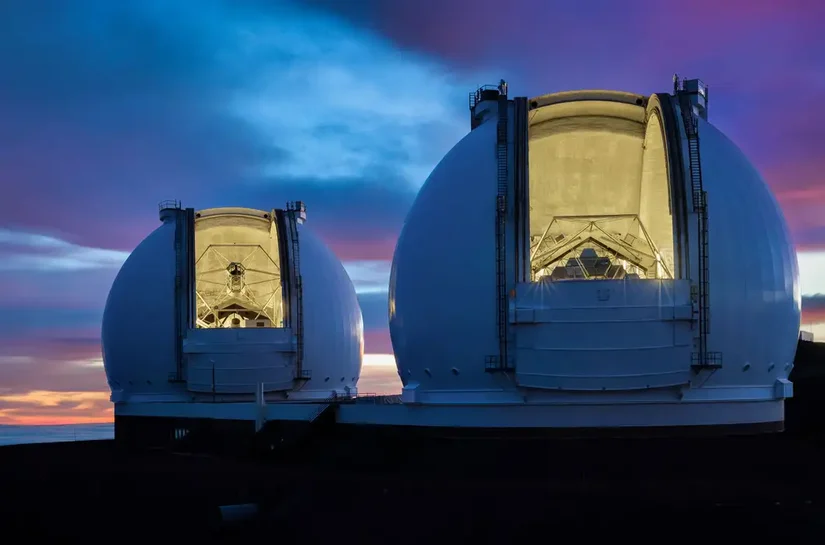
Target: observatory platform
{"points": [[595, 259], [605, 258], [579, 261], [228, 307]]}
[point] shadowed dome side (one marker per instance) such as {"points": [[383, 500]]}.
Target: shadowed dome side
{"points": [[755, 299], [333, 324], [138, 333], [442, 288]]}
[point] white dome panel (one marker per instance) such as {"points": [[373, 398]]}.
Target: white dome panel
{"points": [[442, 285], [138, 332], [754, 288], [333, 324], [443, 289], [139, 337]]}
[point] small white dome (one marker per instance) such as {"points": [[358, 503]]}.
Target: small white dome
{"points": [[139, 317], [139, 337], [333, 325]]}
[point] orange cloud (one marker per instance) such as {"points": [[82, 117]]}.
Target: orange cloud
{"points": [[38, 407], [49, 407], [813, 317], [379, 375], [800, 190]]}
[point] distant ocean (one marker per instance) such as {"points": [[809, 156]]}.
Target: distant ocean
{"points": [[16, 435]]}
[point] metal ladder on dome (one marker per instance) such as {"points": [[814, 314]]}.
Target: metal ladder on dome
{"points": [[184, 280], [701, 359], [502, 362], [298, 316]]}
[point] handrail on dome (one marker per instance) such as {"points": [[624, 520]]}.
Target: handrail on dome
{"points": [[378, 399], [360, 398], [169, 205], [488, 92]]}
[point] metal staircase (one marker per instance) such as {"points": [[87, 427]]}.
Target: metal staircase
{"points": [[293, 209], [184, 279], [479, 100], [482, 94], [327, 405], [501, 363], [180, 270], [702, 358]]}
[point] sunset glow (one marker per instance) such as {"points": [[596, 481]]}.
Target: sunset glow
{"points": [[44, 407], [344, 105]]}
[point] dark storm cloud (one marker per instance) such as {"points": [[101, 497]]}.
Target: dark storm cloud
{"points": [[105, 107], [358, 218], [61, 55], [761, 58], [109, 107], [538, 44], [68, 362]]}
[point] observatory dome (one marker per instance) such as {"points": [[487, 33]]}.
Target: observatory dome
{"points": [[227, 300], [586, 245]]}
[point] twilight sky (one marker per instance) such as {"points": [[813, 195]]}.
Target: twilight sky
{"points": [[108, 107]]}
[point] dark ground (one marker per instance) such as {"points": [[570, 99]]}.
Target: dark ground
{"points": [[333, 488], [766, 487]]}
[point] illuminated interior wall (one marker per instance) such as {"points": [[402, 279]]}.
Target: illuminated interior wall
{"points": [[237, 270], [598, 185], [654, 201]]}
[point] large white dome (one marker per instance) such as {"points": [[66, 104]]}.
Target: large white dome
{"points": [[594, 158], [442, 283], [139, 323]]}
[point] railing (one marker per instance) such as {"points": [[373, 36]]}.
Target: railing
{"points": [[483, 93], [479, 94], [378, 399], [337, 399], [711, 359], [169, 205]]}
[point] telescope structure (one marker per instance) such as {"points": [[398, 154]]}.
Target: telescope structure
{"points": [[579, 261], [595, 259], [223, 309]]}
